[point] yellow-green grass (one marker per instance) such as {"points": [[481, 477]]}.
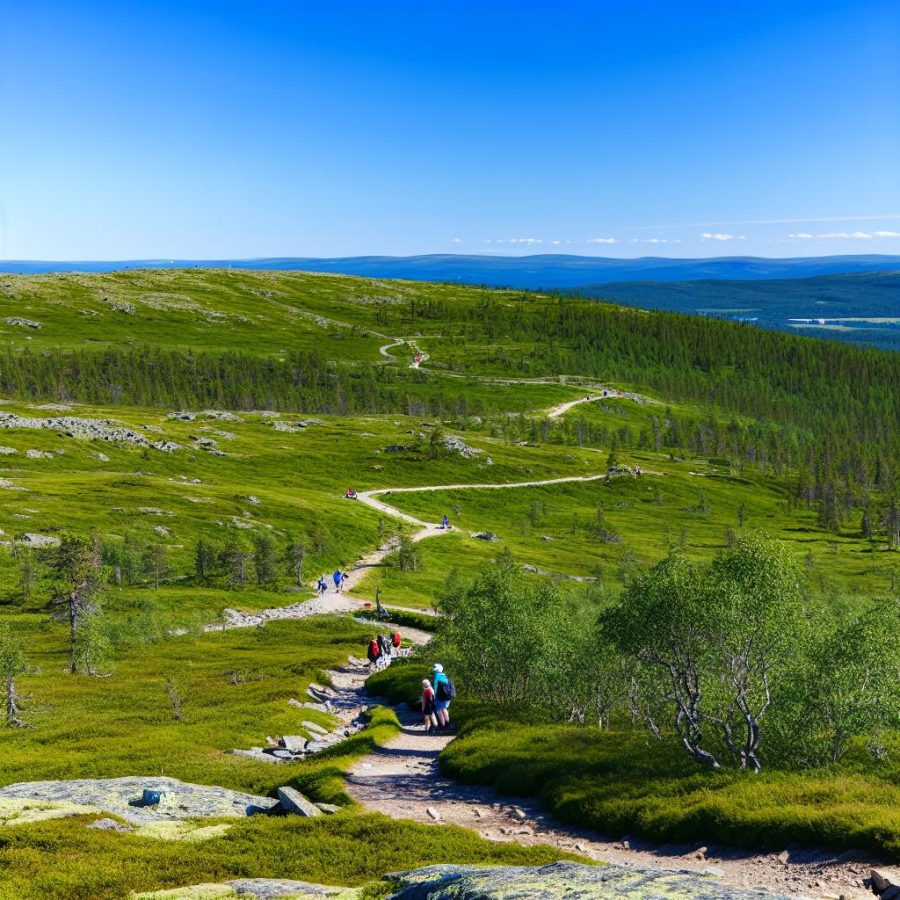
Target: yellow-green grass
{"points": [[124, 725], [648, 514], [65, 859], [617, 783]]}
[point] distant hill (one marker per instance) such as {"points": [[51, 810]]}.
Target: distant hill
{"points": [[541, 271], [862, 308]]}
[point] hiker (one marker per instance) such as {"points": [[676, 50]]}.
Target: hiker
{"points": [[374, 653], [444, 692], [384, 644], [396, 641], [637, 471], [428, 704], [343, 580], [322, 584], [445, 523], [350, 493], [338, 578]]}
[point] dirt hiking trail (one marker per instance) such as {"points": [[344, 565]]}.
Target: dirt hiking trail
{"points": [[402, 780]]}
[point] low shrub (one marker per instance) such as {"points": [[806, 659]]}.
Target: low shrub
{"points": [[615, 783]]}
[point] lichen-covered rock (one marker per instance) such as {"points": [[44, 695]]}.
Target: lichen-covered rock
{"points": [[259, 888], [178, 800], [563, 881], [456, 444], [21, 811], [293, 801], [85, 429]]}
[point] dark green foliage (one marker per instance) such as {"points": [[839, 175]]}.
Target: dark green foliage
{"points": [[77, 585], [616, 783]]}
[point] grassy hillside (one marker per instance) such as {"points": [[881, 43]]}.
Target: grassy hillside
{"points": [[178, 417]]}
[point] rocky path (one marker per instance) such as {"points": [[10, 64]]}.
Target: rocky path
{"points": [[597, 394], [402, 780], [333, 601]]}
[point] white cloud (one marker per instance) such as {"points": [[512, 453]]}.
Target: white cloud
{"points": [[844, 235], [456, 241], [876, 218], [601, 240], [516, 241], [722, 236]]}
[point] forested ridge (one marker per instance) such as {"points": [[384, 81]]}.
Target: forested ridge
{"points": [[759, 396]]}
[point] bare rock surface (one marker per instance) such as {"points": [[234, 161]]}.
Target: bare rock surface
{"points": [[125, 797], [85, 429], [563, 880]]}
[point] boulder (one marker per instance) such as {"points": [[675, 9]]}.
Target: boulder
{"points": [[314, 728], [562, 880], [456, 444], [486, 536], [295, 743], [293, 801]]}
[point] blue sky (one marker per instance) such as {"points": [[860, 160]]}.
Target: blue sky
{"points": [[225, 130]]}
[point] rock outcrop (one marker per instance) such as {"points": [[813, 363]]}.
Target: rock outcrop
{"points": [[554, 882], [86, 429], [563, 880], [130, 798]]}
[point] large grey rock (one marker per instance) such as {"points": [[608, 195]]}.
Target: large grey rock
{"points": [[314, 727], [486, 536], [295, 743], [178, 799], [563, 881], [294, 802], [456, 444]]}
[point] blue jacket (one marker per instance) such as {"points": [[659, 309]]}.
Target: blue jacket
{"points": [[435, 681]]}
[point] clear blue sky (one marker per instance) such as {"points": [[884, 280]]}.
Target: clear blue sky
{"points": [[219, 129]]}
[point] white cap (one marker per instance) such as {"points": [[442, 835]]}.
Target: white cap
{"points": [[438, 668]]}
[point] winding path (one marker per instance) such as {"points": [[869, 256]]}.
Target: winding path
{"points": [[402, 780], [333, 601]]}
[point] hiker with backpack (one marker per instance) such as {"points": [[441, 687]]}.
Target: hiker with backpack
{"points": [[428, 707], [374, 652], [338, 578], [444, 692]]}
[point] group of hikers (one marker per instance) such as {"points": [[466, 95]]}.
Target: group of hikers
{"points": [[437, 693], [338, 578], [382, 648]]}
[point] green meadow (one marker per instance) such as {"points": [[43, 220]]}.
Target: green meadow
{"points": [[289, 401]]}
